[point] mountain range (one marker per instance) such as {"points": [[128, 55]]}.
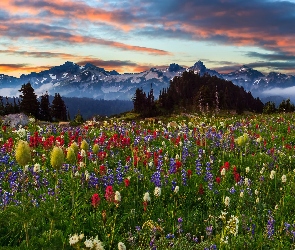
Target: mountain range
{"points": [[73, 80]]}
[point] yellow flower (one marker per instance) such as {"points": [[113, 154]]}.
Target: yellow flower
{"points": [[84, 145], [75, 147], [22, 153], [95, 149], [57, 157], [71, 157]]}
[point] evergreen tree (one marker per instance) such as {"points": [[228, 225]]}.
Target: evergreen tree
{"points": [[29, 103], [139, 101], [58, 108], [2, 109], [45, 112], [269, 108]]}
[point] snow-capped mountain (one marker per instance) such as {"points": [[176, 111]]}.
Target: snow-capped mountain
{"points": [[73, 80]]}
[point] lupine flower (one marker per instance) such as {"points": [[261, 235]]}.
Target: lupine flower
{"points": [[22, 153], [75, 147], [57, 157]]}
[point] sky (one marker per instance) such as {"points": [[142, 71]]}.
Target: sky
{"points": [[134, 35]]}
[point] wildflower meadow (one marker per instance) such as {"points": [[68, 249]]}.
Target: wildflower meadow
{"points": [[185, 182]]}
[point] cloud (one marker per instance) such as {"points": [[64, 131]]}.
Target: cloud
{"points": [[284, 92], [57, 34], [272, 56]]}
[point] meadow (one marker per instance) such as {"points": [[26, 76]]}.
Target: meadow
{"points": [[186, 182]]}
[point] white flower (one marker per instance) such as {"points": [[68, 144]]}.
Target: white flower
{"points": [[256, 192], [88, 243], [83, 153], [272, 174], [81, 236], [87, 175], [247, 169], [242, 194], [176, 189], [177, 157], [157, 191], [226, 201], [284, 178], [98, 244], [121, 246], [147, 197], [262, 170], [117, 196], [36, 168], [222, 172], [74, 239], [257, 200], [26, 169], [246, 181]]}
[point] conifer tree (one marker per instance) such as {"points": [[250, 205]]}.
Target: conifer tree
{"points": [[29, 103], [58, 108], [45, 112]]}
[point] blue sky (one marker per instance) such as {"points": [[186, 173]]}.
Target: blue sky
{"points": [[132, 36]]}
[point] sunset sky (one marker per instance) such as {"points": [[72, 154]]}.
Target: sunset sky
{"points": [[134, 35]]}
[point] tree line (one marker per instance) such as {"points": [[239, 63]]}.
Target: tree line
{"points": [[192, 92], [29, 104]]}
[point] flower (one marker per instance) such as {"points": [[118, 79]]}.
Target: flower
{"points": [[272, 174], [95, 199], [117, 196], [176, 189], [242, 194], [57, 157], [75, 147], [84, 145], [109, 194], [95, 149], [157, 191], [222, 172], [98, 244], [247, 169], [226, 201], [22, 153], [146, 197], [36, 168], [121, 246], [74, 239], [71, 157], [284, 178]]}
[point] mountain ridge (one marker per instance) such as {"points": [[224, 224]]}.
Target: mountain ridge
{"points": [[73, 80]]}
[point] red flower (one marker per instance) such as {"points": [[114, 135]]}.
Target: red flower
{"points": [[109, 194], [226, 165], [237, 177], [95, 200], [145, 204], [102, 170], [218, 179], [201, 189], [189, 173], [127, 182]]}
